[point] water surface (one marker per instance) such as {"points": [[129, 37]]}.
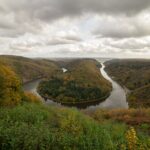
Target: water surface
{"points": [[32, 87], [117, 98]]}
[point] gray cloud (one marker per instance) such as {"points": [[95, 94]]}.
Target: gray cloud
{"points": [[73, 38], [118, 29], [122, 32], [23, 16], [122, 27], [59, 41], [50, 9], [27, 44], [24, 47], [132, 44]]}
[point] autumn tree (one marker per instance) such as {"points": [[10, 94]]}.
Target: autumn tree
{"points": [[10, 87]]}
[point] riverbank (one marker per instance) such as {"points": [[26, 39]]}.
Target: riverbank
{"points": [[108, 102], [135, 75], [82, 84], [81, 105], [117, 98]]}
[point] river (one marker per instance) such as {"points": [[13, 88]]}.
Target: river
{"points": [[117, 98]]}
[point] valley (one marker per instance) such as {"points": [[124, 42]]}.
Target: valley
{"points": [[26, 119], [81, 84]]}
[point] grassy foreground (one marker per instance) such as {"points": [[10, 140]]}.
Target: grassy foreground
{"points": [[39, 127], [35, 126]]}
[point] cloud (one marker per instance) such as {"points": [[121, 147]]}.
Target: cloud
{"points": [[122, 26], [50, 9], [69, 27], [59, 41], [21, 16], [132, 44], [47, 10], [73, 38]]}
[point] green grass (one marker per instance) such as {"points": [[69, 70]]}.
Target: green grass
{"points": [[36, 126], [39, 127]]}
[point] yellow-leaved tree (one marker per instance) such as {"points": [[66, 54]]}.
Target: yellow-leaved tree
{"points": [[10, 87]]}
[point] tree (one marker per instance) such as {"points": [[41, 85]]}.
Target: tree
{"points": [[10, 87]]}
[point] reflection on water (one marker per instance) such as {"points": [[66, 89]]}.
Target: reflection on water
{"points": [[117, 98], [64, 70], [32, 87]]}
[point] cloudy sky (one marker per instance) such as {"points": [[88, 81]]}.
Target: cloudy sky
{"points": [[75, 28]]}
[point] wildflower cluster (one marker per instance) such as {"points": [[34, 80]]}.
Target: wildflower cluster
{"points": [[132, 139]]}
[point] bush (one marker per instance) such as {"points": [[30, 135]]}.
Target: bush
{"points": [[29, 97], [10, 87], [33, 126]]}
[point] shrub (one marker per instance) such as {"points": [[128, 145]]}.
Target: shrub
{"points": [[29, 97], [33, 126], [10, 87], [132, 139]]}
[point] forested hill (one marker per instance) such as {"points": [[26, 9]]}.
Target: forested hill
{"points": [[29, 69], [135, 75], [82, 83]]}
